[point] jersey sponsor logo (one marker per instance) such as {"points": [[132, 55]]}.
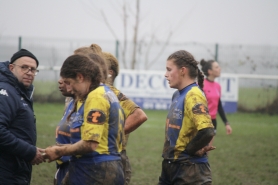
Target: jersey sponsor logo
{"points": [[4, 92], [174, 126], [177, 114], [96, 117], [67, 134], [73, 130], [200, 109]]}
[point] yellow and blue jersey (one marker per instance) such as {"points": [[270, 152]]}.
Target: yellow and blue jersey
{"points": [[63, 131], [128, 107], [100, 119], [187, 115]]}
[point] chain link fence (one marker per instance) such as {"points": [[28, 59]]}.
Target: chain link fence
{"points": [[255, 94]]}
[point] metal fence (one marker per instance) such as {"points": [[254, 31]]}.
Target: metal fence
{"points": [[247, 59], [233, 58]]}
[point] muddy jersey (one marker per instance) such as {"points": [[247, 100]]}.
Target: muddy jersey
{"points": [[128, 107], [187, 115], [103, 122], [212, 91], [63, 131]]}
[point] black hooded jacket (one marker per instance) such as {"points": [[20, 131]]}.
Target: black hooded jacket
{"points": [[17, 129]]}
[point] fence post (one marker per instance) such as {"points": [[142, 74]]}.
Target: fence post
{"points": [[117, 49], [216, 53], [19, 43]]}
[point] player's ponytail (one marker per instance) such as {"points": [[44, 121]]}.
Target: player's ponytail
{"points": [[206, 65], [200, 79]]}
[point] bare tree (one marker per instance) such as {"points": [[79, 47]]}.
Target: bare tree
{"points": [[125, 35], [164, 45], [147, 40], [135, 36]]}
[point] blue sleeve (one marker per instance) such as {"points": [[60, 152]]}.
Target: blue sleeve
{"points": [[9, 143]]}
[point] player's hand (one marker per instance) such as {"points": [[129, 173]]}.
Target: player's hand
{"points": [[39, 158], [52, 153], [202, 151], [228, 129]]}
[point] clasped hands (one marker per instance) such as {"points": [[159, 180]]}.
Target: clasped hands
{"points": [[43, 154]]}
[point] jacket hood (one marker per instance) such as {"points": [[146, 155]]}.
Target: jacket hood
{"points": [[8, 77]]}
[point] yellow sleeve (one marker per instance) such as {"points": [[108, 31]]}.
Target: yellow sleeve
{"points": [[127, 105], [96, 115], [197, 110]]}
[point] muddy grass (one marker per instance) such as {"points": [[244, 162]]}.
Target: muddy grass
{"points": [[271, 109]]}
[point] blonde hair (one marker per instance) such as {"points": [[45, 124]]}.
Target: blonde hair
{"points": [[113, 62], [91, 53]]}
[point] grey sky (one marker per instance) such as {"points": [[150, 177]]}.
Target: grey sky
{"points": [[210, 21]]}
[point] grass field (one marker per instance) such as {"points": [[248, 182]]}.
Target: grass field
{"points": [[254, 98], [247, 157]]}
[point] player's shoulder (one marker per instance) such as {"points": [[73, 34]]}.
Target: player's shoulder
{"points": [[196, 90], [113, 89], [99, 91], [118, 93]]}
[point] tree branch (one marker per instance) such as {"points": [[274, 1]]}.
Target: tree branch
{"points": [[107, 24], [135, 36]]}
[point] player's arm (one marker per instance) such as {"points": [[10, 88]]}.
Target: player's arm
{"points": [[196, 109], [135, 116], [222, 112], [134, 120], [223, 117], [202, 138], [81, 147]]}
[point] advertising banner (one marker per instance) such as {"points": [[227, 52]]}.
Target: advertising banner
{"points": [[229, 91], [150, 89]]}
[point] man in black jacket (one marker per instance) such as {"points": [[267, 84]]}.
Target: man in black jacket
{"points": [[18, 151]]}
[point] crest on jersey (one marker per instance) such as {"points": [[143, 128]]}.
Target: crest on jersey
{"points": [[96, 117], [200, 108]]}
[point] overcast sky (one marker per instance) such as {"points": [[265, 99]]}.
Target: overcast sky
{"points": [[210, 21]]}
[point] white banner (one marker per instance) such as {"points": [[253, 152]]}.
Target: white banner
{"points": [[150, 89]]}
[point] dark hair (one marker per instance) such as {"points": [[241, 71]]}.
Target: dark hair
{"points": [[206, 65], [75, 64], [183, 58], [96, 55]]}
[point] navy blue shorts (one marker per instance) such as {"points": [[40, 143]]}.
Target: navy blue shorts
{"points": [[102, 173], [61, 172]]}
